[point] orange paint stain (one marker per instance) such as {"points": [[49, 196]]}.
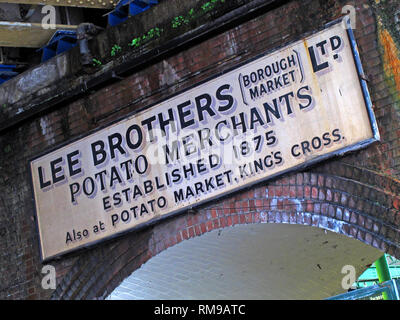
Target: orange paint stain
{"points": [[391, 58]]}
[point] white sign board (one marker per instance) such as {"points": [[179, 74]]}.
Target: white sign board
{"points": [[279, 112]]}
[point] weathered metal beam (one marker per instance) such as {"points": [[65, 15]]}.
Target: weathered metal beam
{"points": [[103, 4], [27, 35]]}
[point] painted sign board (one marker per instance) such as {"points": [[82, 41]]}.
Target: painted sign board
{"points": [[278, 112]]}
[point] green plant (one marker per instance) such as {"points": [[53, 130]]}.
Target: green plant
{"points": [[96, 62], [152, 33], [115, 49]]}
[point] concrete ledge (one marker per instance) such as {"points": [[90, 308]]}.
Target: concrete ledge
{"points": [[119, 50]]}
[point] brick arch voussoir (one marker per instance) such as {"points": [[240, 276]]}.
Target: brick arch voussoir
{"points": [[350, 201]]}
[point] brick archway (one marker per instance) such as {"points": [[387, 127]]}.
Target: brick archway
{"points": [[342, 198]]}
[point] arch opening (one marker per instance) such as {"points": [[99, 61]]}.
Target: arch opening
{"points": [[251, 261]]}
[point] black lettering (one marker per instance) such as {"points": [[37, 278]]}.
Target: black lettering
{"points": [[114, 219], [148, 122], [199, 187], [219, 179], [125, 216], [268, 161], [188, 145], [287, 101], [255, 117], [316, 67], [316, 143], [148, 186], [145, 164], [184, 114], [321, 45], [129, 142], [224, 97], [241, 123], [88, 188], [189, 169], [304, 97], [101, 174], [291, 60], [201, 108], [171, 155], [205, 137], [217, 132], [337, 135], [43, 184], [55, 170], [274, 110], [178, 195], [246, 81], [72, 162], [305, 146], [295, 154], [117, 199], [278, 83], [254, 94], [278, 157], [106, 203], [115, 177], [98, 150], [336, 42], [326, 138], [201, 166], [165, 122], [74, 189], [176, 175], [125, 165], [115, 143]]}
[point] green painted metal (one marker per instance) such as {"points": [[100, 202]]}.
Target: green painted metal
{"points": [[370, 276], [382, 269]]}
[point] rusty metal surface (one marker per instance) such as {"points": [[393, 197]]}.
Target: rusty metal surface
{"points": [[100, 4], [27, 35]]}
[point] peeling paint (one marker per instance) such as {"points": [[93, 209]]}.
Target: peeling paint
{"points": [[233, 45], [47, 131], [37, 78], [169, 75], [263, 217], [274, 203], [297, 202]]}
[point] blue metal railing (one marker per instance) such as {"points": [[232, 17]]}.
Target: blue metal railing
{"points": [[7, 71], [126, 8], [62, 40], [375, 292]]}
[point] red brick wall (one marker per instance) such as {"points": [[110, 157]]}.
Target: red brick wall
{"points": [[326, 201], [356, 195]]}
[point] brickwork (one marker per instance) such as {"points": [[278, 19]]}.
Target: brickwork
{"points": [[356, 195], [326, 201]]}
